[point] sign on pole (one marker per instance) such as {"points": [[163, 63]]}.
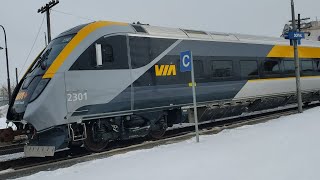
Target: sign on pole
{"points": [[185, 61], [295, 36], [186, 65]]}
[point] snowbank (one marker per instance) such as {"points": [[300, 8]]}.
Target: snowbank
{"points": [[3, 112], [3, 123], [11, 157], [285, 149]]}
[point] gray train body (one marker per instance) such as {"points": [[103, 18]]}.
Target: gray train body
{"points": [[108, 81]]}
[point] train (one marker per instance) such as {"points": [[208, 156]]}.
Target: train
{"points": [[110, 81]]}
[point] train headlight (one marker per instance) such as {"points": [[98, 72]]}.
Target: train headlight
{"points": [[42, 84]]}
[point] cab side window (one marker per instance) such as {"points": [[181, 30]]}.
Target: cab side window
{"points": [[107, 53], [104, 54]]}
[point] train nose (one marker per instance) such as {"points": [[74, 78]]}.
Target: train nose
{"points": [[29, 91], [23, 97]]}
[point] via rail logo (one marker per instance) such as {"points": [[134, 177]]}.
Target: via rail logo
{"points": [[185, 61]]}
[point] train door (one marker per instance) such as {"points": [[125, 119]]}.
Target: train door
{"points": [[98, 83], [150, 63]]}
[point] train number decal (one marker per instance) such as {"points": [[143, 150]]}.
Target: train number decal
{"points": [[75, 96]]}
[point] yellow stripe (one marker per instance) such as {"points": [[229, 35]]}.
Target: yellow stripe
{"points": [[287, 52], [81, 35], [279, 79]]}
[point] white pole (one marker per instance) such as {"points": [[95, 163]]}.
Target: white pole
{"points": [[296, 61], [194, 99]]}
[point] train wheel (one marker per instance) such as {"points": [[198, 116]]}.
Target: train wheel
{"points": [[94, 141], [159, 130], [158, 134]]}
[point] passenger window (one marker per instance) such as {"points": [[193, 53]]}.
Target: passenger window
{"points": [[307, 66], [249, 69], [145, 49], [317, 65], [289, 67], [198, 68], [221, 69], [271, 67]]}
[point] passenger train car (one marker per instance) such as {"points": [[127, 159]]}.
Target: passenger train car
{"points": [[108, 81]]}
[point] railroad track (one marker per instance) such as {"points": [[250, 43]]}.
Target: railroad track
{"points": [[11, 148], [28, 166]]}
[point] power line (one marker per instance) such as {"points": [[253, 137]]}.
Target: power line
{"points": [[34, 42], [81, 17]]}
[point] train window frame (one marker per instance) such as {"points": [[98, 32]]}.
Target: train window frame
{"points": [[117, 59], [198, 73], [316, 69], [304, 71], [268, 74], [221, 77], [288, 72], [144, 49], [107, 58], [249, 76]]}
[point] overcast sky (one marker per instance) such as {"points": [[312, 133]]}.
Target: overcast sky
{"points": [[257, 17]]}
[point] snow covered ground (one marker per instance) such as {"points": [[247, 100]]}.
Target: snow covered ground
{"points": [[11, 157], [283, 149], [3, 112], [3, 124]]}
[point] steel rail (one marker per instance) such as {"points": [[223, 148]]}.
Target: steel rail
{"points": [[11, 149]]}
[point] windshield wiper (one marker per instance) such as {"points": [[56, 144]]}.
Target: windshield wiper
{"points": [[42, 60]]}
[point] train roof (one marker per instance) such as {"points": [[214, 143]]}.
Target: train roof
{"points": [[178, 33], [214, 36]]}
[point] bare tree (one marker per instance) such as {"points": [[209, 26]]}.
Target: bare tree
{"points": [[4, 92]]}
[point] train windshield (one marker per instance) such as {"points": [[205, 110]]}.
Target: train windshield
{"points": [[50, 54]]}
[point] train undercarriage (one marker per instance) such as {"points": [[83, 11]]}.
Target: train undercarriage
{"points": [[96, 134]]}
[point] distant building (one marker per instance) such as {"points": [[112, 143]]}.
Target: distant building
{"points": [[311, 29], [314, 31]]}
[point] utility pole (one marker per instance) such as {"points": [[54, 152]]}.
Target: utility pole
{"points": [[17, 79], [45, 40], [46, 9], [299, 22], [7, 61], [296, 60]]}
